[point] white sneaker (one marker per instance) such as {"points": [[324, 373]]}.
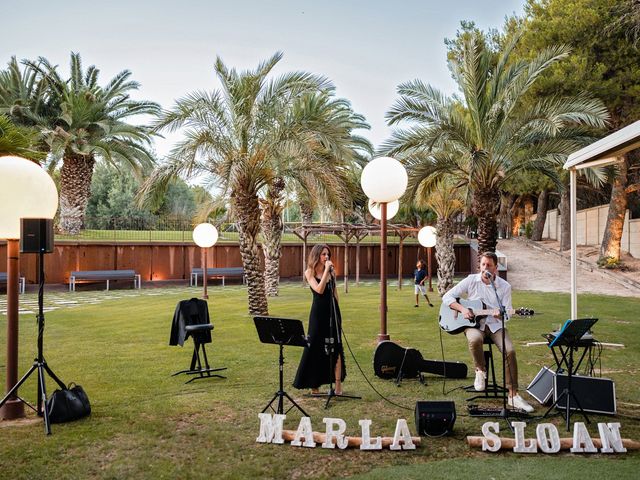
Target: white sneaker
{"points": [[480, 382], [518, 402]]}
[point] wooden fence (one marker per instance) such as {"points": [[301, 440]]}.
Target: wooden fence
{"points": [[171, 261]]}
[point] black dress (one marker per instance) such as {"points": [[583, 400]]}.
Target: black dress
{"points": [[314, 369]]}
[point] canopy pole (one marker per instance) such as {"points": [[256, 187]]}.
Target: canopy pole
{"points": [[574, 244]]}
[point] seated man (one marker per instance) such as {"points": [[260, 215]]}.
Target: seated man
{"points": [[478, 287]]}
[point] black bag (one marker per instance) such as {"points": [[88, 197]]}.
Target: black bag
{"points": [[68, 404]]}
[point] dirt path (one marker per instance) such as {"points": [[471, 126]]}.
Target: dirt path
{"points": [[543, 269]]}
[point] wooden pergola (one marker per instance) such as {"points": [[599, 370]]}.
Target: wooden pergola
{"points": [[347, 232]]}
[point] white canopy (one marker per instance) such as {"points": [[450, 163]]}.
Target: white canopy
{"points": [[605, 151]]}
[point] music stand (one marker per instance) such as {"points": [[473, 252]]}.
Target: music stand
{"points": [[281, 331], [570, 336]]}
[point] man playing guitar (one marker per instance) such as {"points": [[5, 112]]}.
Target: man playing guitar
{"points": [[478, 287]]}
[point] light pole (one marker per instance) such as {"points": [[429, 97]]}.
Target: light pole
{"points": [[26, 191], [205, 235], [427, 238], [383, 180]]}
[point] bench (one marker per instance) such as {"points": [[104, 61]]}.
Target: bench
{"points": [[103, 275], [216, 273], [21, 282]]}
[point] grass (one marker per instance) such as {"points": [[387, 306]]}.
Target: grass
{"points": [[147, 424]]}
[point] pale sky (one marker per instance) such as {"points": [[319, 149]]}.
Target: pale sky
{"points": [[366, 47]]}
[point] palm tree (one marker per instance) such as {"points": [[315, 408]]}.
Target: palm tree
{"points": [[447, 201], [17, 140], [25, 103], [234, 134], [494, 131], [88, 123], [318, 163]]}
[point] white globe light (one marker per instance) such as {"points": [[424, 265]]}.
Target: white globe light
{"points": [[375, 209], [205, 235], [427, 236], [384, 179], [26, 191]]}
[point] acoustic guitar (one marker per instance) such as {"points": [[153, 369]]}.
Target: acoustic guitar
{"points": [[453, 322], [390, 360]]}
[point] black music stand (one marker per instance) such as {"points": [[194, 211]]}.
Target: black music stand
{"points": [[281, 331], [569, 336]]}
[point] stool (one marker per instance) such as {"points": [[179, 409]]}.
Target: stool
{"points": [[491, 387], [196, 332]]}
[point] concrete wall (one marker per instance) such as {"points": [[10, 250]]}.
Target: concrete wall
{"points": [[590, 226]]}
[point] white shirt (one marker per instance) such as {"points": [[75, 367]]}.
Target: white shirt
{"points": [[475, 289]]}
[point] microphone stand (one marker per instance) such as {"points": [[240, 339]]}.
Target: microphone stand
{"points": [[504, 413], [330, 345]]}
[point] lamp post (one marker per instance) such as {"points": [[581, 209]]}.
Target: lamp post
{"points": [[205, 235], [26, 191], [383, 180], [375, 209], [427, 238]]}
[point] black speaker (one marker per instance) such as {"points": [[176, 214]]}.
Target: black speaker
{"points": [[36, 235], [541, 387], [435, 419], [595, 394]]}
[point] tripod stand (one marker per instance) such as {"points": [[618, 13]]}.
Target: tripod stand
{"points": [[330, 346], [569, 337], [281, 331], [39, 363]]}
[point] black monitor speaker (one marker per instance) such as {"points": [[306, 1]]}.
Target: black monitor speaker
{"points": [[435, 419], [36, 235]]}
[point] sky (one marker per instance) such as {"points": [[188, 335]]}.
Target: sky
{"points": [[366, 47]]}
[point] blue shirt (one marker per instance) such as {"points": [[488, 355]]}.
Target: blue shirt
{"points": [[419, 275]]}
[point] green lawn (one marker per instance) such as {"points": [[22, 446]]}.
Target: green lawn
{"points": [[147, 424]]}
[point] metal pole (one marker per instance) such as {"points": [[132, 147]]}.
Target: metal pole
{"points": [[204, 273], [429, 267], [574, 244], [13, 408], [383, 273]]}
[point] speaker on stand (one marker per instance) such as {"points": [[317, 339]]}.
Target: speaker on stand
{"points": [[36, 236]]}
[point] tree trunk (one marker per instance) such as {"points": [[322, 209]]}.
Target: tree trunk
{"points": [[272, 227], [541, 218], [306, 211], [505, 216], [485, 207], [75, 188], [565, 219], [612, 238], [445, 255], [247, 213]]}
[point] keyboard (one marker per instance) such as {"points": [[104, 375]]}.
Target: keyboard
{"points": [[483, 411]]}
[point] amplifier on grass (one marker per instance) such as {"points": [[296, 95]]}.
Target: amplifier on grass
{"points": [[435, 419], [595, 394]]}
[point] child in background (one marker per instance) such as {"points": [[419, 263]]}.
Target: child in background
{"points": [[419, 275]]}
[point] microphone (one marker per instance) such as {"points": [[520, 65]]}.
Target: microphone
{"points": [[487, 275]]}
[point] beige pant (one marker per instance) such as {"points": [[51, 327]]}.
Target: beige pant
{"points": [[475, 338]]}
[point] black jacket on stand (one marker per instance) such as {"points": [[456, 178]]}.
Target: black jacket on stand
{"points": [[189, 312]]}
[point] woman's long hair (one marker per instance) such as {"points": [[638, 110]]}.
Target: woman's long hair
{"points": [[314, 255]]}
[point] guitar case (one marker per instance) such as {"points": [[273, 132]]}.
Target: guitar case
{"points": [[389, 358]]}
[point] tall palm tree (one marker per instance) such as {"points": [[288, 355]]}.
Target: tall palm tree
{"points": [[233, 134], [494, 131], [318, 163], [88, 123], [447, 201]]}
